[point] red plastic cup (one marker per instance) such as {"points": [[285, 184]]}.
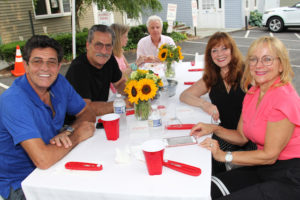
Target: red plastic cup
{"points": [[154, 155], [111, 125]]}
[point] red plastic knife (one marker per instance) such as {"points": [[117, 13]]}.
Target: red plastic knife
{"points": [[83, 166], [180, 126], [189, 83], [196, 70], [181, 167]]}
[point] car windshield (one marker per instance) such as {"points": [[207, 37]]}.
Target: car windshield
{"points": [[294, 6]]}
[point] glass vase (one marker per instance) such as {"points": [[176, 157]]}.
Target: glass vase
{"points": [[142, 110], [170, 70]]}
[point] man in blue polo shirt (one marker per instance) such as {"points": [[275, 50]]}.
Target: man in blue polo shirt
{"points": [[32, 113]]}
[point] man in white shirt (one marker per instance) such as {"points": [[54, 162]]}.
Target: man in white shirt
{"points": [[147, 49]]}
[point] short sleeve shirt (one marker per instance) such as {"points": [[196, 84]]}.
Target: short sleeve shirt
{"points": [[24, 116], [146, 47], [90, 82], [277, 104]]}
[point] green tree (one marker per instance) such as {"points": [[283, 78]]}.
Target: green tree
{"points": [[133, 7]]}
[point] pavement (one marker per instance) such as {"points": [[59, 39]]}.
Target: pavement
{"points": [[131, 55], [206, 32]]}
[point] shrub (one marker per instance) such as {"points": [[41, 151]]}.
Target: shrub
{"points": [[178, 36], [8, 51], [255, 18], [136, 33], [165, 27]]}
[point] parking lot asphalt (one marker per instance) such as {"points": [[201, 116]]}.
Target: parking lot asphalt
{"points": [[243, 38]]}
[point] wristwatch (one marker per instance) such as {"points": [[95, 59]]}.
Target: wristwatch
{"points": [[228, 157], [69, 129]]}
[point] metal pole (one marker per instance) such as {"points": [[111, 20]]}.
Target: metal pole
{"points": [[73, 29], [246, 23], [31, 22], [195, 29]]}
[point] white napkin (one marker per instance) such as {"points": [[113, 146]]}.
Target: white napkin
{"points": [[122, 157]]}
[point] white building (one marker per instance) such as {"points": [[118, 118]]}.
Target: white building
{"points": [[216, 13]]}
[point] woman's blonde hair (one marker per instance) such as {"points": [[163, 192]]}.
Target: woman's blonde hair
{"points": [[276, 47], [119, 30]]}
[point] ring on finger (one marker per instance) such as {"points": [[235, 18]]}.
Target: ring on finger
{"points": [[211, 144]]}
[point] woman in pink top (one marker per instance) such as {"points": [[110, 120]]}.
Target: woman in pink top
{"points": [[121, 32], [271, 119]]}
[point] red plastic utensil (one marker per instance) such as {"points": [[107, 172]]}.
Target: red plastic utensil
{"points": [[189, 83], [183, 168], [180, 126], [83, 166], [161, 107], [196, 70], [129, 112]]}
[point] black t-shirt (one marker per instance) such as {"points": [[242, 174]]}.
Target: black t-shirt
{"points": [[90, 82]]}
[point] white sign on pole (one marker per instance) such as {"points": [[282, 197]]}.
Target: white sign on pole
{"points": [[194, 13], [104, 18], [171, 14]]}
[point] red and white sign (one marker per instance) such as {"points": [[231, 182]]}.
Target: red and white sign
{"points": [[171, 14], [104, 18], [194, 13]]}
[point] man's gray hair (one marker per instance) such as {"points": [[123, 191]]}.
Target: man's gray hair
{"points": [[100, 28], [154, 18]]}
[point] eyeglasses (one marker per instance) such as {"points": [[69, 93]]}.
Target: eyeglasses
{"points": [[265, 60], [40, 62], [99, 46]]}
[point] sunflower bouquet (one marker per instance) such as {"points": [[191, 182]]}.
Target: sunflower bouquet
{"points": [[169, 54], [141, 87]]}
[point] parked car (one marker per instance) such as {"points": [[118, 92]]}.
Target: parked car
{"points": [[277, 19]]}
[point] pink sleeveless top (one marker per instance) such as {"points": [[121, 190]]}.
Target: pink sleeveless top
{"points": [[121, 63], [278, 103]]}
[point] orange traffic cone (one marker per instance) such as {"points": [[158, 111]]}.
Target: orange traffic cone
{"points": [[19, 67]]}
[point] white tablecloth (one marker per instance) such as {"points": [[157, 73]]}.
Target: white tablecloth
{"points": [[131, 180]]}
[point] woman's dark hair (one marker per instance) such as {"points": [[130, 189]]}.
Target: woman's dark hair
{"points": [[42, 41], [236, 65]]}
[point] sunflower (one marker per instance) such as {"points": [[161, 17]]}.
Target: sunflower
{"points": [[162, 55], [142, 71], [147, 89], [162, 46], [180, 55], [132, 91]]}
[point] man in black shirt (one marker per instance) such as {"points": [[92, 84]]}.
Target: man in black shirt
{"points": [[91, 73]]}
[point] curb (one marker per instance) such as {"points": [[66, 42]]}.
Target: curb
{"points": [[4, 73]]}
